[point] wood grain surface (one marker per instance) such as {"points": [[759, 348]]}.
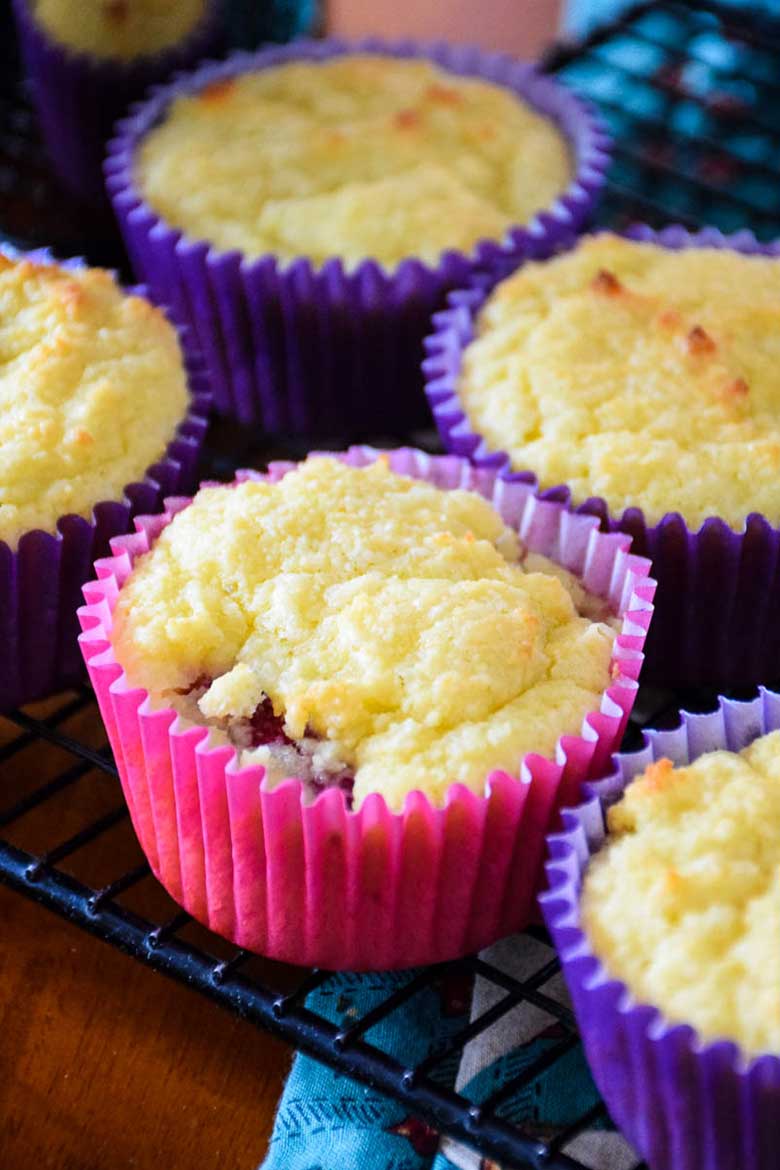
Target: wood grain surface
{"points": [[104, 1064]]}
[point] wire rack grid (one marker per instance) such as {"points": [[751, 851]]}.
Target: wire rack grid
{"points": [[689, 92]]}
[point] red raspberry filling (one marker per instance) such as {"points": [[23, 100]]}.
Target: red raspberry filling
{"points": [[266, 729]]}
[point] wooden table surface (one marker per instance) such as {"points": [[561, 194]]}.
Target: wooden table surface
{"points": [[104, 1064]]}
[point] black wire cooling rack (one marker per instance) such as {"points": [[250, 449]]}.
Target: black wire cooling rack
{"points": [[691, 93]]}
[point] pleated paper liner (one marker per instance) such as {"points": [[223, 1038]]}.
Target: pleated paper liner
{"points": [[293, 348], [717, 620], [683, 1104], [78, 96], [315, 883]]}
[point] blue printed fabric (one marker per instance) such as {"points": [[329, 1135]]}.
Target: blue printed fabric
{"points": [[328, 1122]]}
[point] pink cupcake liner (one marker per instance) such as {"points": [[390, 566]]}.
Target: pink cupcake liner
{"points": [[41, 579], [315, 883], [78, 97], [684, 1104], [300, 349], [717, 620]]}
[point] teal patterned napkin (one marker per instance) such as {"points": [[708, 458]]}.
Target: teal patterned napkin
{"points": [[328, 1122]]}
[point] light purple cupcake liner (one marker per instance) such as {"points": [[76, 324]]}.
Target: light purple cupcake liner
{"points": [[683, 1104], [326, 351], [78, 97], [41, 580], [717, 619]]}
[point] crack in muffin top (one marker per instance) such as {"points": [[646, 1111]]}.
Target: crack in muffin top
{"points": [[360, 156], [403, 625], [92, 389], [647, 376], [683, 903]]}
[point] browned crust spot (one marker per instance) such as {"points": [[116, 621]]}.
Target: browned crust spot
{"points": [[33, 268], [443, 95], [335, 138], [739, 388], [700, 342], [658, 775], [606, 283], [218, 91], [72, 296], [407, 119], [117, 11]]}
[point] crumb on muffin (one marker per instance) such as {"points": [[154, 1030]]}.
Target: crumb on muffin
{"points": [[683, 902], [361, 628], [92, 388], [359, 156], [647, 376], [121, 29]]}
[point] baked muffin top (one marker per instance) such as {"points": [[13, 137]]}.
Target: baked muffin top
{"points": [[120, 29], [683, 903], [400, 631], [644, 375], [92, 388], [358, 156]]}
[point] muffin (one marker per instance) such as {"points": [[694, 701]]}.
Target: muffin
{"points": [[118, 30], [678, 909], [627, 376], [384, 638], [362, 156], [88, 60], [336, 613], [94, 398], [701, 844], [308, 206]]}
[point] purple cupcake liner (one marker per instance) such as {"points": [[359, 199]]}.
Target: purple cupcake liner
{"points": [[78, 97], [307, 350], [684, 1104], [41, 580], [717, 619]]}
